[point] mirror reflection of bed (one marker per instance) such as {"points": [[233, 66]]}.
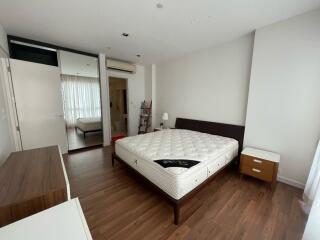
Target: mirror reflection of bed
{"points": [[84, 134], [81, 100], [118, 107]]}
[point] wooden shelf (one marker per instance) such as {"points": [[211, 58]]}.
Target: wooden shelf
{"points": [[145, 117]]}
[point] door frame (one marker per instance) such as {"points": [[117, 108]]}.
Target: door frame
{"points": [[124, 75], [10, 101], [113, 75], [101, 98]]}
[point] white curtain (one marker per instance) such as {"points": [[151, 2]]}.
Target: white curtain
{"points": [[81, 98], [313, 181]]}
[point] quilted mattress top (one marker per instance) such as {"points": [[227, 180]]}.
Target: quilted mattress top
{"points": [[178, 144]]}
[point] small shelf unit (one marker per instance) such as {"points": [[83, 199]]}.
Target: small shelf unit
{"points": [[145, 117]]}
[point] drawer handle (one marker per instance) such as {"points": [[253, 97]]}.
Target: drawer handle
{"points": [[256, 170], [257, 161]]}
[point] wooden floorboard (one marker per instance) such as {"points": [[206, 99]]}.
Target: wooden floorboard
{"points": [[76, 139], [118, 206]]}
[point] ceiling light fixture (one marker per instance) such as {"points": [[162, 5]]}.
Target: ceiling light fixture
{"points": [[125, 34], [159, 5]]}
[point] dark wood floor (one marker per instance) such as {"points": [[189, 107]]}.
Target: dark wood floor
{"points": [[117, 206], [77, 141]]}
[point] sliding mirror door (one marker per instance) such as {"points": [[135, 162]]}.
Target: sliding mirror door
{"points": [[81, 99]]}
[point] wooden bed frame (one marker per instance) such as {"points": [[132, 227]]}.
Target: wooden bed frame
{"points": [[221, 129]]}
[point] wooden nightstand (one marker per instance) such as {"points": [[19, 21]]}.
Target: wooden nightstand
{"points": [[260, 164]]}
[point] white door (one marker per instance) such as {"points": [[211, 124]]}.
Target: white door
{"points": [[37, 89]]}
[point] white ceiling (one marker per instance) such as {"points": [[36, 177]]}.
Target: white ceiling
{"points": [[178, 28]]}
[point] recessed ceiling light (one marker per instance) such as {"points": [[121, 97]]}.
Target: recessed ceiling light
{"points": [[125, 34], [159, 5], [138, 55], [194, 21]]}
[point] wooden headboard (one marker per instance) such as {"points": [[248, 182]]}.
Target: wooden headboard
{"points": [[221, 129]]}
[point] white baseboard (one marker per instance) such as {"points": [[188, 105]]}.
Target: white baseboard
{"points": [[291, 182]]}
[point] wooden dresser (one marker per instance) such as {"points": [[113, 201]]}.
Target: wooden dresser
{"points": [[260, 164], [31, 181]]}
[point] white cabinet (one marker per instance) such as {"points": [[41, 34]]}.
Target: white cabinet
{"points": [[37, 89], [64, 221]]}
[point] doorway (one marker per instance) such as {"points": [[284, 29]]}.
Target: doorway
{"points": [[118, 92]]}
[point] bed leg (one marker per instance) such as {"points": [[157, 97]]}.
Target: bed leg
{"points": [[112, 159], [176, 210]]}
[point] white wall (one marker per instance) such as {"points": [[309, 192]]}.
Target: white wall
{"points": [[154, 95], [211, 84], [105, 106], [148, 82], [150, 89], [284, 97], [136, 94]]}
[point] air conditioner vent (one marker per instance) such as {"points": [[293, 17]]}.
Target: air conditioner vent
{"points": [[120, 66]]}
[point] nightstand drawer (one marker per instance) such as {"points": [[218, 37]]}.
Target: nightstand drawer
{"points": [[263, 174], [256, 163], [260, 164]]}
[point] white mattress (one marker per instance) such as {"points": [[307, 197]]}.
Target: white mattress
{"points": [[89, 124], [212, 151]]}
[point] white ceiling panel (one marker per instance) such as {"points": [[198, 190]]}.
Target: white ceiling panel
{"points": [[156, 34]]}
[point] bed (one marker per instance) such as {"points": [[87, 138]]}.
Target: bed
{"points": [[86, 125], [179, 161]]}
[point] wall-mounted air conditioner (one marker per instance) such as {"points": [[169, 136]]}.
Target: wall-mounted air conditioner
{"points": [[120, 66]]}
